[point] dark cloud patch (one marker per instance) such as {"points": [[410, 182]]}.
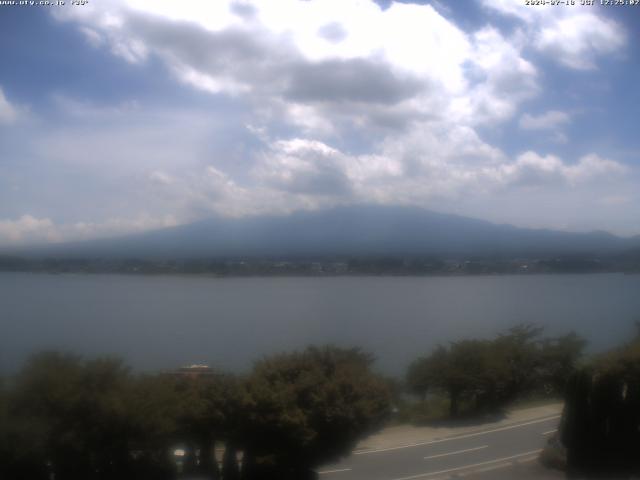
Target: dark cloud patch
{"points": [[333, 32], [307, 168], [210, 52], [323, 180], [355, 80], [365, 91], [319, 178], [243, 10]]}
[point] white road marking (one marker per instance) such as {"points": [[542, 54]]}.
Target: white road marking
{"points": [[324, 472], [468, 435], [455, 453], [466, 467], [550, 432], [490, 468]]}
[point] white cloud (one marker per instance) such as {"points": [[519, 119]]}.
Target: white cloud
{"points": [[593, 166], [419, 168], [573, 36], [550, 120], [32, 230], [329, 67], [346, 102], [124, 139], [406, 61], [533, 170], [93, 37], [305, 167], [113, 227], [8, 113], [577, 41], [161, 178], [406, 80], [26, 228], [506, 79], [616, 200]]}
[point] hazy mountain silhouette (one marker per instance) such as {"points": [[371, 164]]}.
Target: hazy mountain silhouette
{"points": [[346, 231]]}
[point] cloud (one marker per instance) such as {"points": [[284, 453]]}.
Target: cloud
{"points": [[328, 74], [550, 120], [161, 178], [593, 166], [419, 168], [533, 170], [93, 37], [356, 80], [8, 113], [305, 167], [202, 191], [333, 32], [616, 200], [501, 79], [407, 60], [345, 102], [28, 229], [124, 139], [159, 163], [578, 40], [574, 37], [414, 167], [113, 227]]}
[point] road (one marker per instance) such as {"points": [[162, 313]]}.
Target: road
{"points": [[462, 455]]}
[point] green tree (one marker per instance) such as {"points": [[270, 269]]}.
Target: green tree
{"points": [[488, 374], [465, 375], [600, 426], [208, 410], [518, 351], [464, 371], [79, 419], [307, 408], [154, 414], [421, 376], [559, 358]]}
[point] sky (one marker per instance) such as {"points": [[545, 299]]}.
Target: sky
{"points": [[123, 116]]}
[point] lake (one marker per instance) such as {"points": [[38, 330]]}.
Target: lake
{"points": [[160, 322]]}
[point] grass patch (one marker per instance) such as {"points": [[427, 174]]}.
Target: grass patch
{"points": [[535, 401]]}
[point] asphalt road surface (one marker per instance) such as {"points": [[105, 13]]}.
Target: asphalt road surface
{"points": [[470, 454]]}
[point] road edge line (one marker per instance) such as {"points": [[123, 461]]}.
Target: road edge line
{"points": [[456, 437]]}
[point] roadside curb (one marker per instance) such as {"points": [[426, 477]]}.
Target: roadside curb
{"points": [[498, 466], [487, 428]]}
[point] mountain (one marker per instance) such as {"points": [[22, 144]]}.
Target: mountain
{"points": [[344, 232]]}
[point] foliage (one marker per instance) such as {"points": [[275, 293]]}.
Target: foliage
{"points": [[72, 418], [601, 422], [310, 407], [488, 374]]}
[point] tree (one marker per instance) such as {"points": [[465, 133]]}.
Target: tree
{"points": [[208, 410], [88, 420], [600, 426], [518, 351], [307, 408], [559, 357], [466, 374], [154, 413], [421, 376], [464, 371], [488, 374], [75, 411]]}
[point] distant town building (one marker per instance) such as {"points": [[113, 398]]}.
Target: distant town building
{"points": [[196, 370]]}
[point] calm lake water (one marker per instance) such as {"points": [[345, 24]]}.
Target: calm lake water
{"points": [[163, 322]]}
